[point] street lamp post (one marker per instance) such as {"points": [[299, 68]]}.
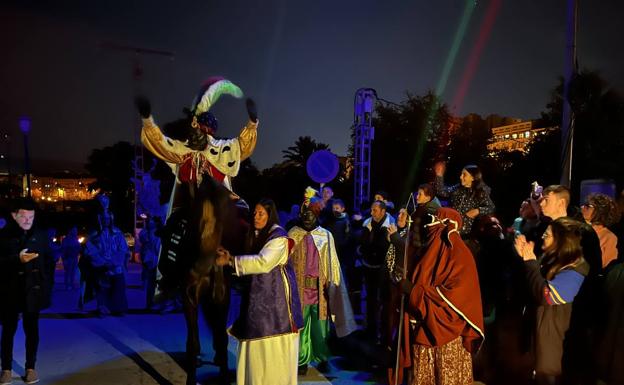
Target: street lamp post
{"points": [[24, 123], [7, 140], [7, 154]]}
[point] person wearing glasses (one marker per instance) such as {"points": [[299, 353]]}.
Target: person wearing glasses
{"points": [[554, 280], [600, 211]]}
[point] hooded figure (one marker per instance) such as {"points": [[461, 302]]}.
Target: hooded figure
{"points": [[443, 323]]}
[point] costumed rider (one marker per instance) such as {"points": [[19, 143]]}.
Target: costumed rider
{"points": [[321, 286], [203, 205], [203, 154], [200, 158]]}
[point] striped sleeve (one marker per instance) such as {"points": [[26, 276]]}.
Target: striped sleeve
{"points": [[563, 287]]}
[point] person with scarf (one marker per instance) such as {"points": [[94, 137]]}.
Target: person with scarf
{"points": [[321, 286], [270, 313], [443, 321]]}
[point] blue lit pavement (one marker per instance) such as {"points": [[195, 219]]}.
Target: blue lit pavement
{"points": [[139, 348]]}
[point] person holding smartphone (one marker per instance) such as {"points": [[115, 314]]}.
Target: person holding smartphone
{"points": [[26, 269]]}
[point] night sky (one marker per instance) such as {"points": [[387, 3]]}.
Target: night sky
{"points": [[301, 61]]}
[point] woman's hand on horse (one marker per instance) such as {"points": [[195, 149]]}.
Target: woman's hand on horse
{"points": [[223, 257]]}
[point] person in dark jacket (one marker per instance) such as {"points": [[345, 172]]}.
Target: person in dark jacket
{"points": [[374, 246], [579, 359], [340, 227], [610, 350], [471, 197], [26, 268], [554, 280]]}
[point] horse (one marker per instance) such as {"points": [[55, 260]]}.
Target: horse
{"points": [[205, 217]]}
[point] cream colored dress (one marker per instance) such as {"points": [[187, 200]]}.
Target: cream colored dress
{"points": [[271, 360]]}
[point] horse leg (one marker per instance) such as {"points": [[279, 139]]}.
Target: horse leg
{"points": [[192, 340], [216, 314]]}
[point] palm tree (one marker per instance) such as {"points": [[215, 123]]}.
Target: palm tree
{"points": [[301, 151]]}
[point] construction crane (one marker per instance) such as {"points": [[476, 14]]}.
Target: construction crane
{"points": [[137, 74]]}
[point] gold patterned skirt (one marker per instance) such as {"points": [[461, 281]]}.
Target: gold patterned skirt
{"points": [[448, 364]]}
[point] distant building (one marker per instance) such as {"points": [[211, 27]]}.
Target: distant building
{"points": [[62, 188], [515, 137]]}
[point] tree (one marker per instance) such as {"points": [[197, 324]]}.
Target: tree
{"points": [[469, 143], [112, 168], [598, 128], [301, 151], [283, 182], [249, 183], [598, 145], [408, 138]]}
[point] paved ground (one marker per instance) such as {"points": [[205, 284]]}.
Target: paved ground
{"points": [[139, 348]]}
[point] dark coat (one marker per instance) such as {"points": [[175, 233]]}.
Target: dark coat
{"points": [[374, 241], [463, 200], [610, 352], [25, 286], [553, 318]]}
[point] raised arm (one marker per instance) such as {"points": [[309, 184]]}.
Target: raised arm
{"points": [[443, 191], [248, 135], [247, 139], [169, 150]]}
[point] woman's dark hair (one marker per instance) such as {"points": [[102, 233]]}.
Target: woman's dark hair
{"points": [[606, 211], [478, 186], [566, 247], [427, 189], [383, 194], [255, 241]]}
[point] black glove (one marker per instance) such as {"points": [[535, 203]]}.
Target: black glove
{"points": [[406, 286], [251, 110], [143, 105]]}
